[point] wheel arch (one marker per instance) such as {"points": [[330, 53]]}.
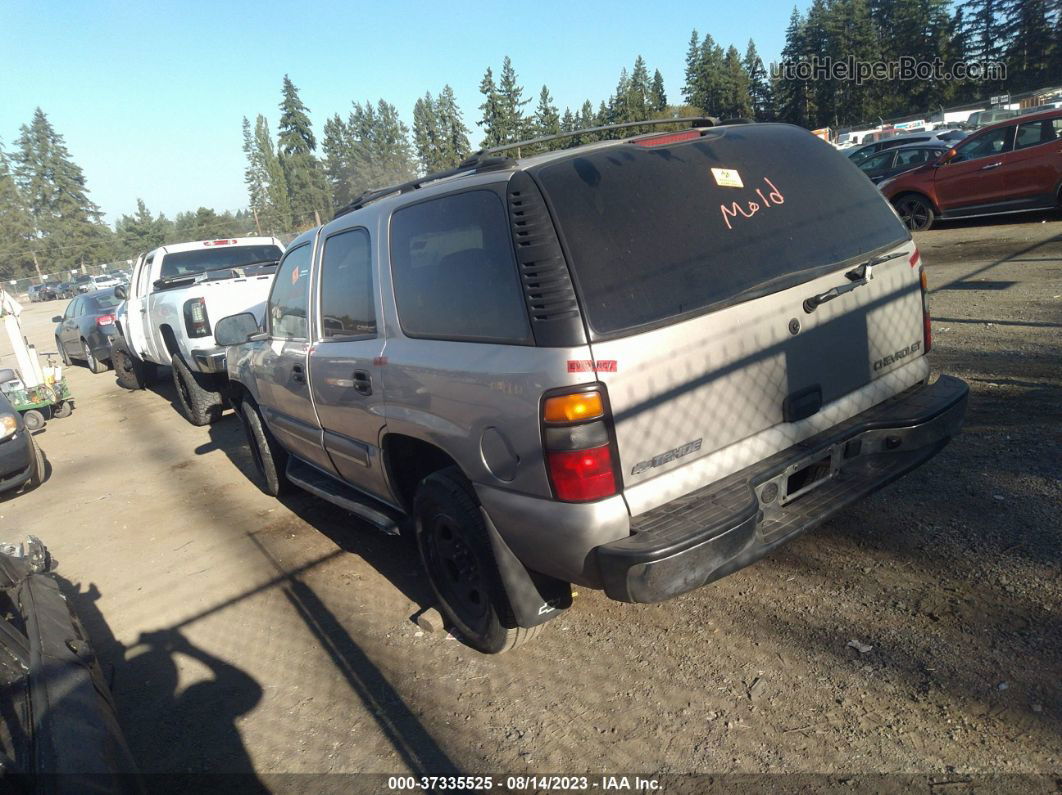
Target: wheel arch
{"points": [[170, 339], [408, 460], [917, 194]]}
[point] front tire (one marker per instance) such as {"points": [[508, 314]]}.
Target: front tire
{"points": [[62, 352], [34, 420], [456, 554], [916, 212], [199, 404], [39, 468], [270, 459], [129, 370]]}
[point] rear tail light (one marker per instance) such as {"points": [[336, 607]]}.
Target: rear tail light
{"points": [[927, 328], [105, 320], [580, 453], [219, 242], [195, 318]]}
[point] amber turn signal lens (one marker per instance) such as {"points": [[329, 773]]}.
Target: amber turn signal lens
{"points": [[573, 408]]}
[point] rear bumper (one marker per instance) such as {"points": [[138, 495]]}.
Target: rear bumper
{"points": [[723, 527], [210, 360]]}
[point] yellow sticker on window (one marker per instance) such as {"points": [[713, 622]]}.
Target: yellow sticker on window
{"points": [[727, 178]]}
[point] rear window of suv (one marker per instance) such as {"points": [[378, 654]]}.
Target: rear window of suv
{"points": [[657, 233]]}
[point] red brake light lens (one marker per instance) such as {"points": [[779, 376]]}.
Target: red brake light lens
{"points": [[581, 475], [105, 320], [668, 138]]}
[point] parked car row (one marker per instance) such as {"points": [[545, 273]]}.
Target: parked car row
{"points": [[1012, 166], [84, 283]]}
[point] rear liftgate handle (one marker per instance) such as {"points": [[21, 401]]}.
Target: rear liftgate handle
{"points": [[362, 382]]}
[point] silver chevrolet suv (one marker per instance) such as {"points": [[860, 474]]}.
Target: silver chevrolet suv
{"points": [[635, 365]]}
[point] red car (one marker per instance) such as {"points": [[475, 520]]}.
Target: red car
{"points": [[1009, 167]]}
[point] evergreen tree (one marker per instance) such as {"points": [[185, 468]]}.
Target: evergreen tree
{"points": [[453, 134], [276, 216], [17, 237], [426, 134], [639, 104], [792, 97], [657, 95], [68, 226], [336, 148], [135, 234], [255, 174], [493, 121], [1027, 27], [511, 94], [618, 108], [737, 103], [759, 88], [547, 120], [307, 184]]}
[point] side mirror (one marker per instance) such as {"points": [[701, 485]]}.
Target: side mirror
{"points": [[235, 329], [120, 292], [57, 319], [945, 158]]}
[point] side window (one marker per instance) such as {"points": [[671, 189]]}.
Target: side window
{"points": [[1034, 133], [878, 161], [988, 144], [73, 308], [910, 157], [454, 270], [290, 296], [347, 306]]}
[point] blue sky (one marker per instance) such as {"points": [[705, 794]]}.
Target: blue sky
{"points": [[150, 96]]}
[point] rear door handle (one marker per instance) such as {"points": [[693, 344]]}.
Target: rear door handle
{"points": [[991, 166], [297, 374], [362, 382]]}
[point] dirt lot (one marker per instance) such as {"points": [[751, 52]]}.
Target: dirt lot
{"points": [[243, 634]]}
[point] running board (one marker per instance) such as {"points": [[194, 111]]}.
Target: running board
{"points": [[326, 487]]}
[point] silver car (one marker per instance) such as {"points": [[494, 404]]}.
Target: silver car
{"points": [[634, 365]]}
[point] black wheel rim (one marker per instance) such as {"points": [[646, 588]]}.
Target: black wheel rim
{"points": [[456, 571], [915, 214]]}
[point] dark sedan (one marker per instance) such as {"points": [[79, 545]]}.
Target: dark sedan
{"points": [[21, 461], [903, 158], [85, 329]]}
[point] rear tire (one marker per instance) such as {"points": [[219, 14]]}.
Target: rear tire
{"points": [[199, 404], [270, 459], [64, 409], [916, 212], [456, 554], [62, 352], [91, 361]]}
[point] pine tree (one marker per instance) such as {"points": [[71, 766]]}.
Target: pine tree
{"points": [[792, 97], [738, 103], [453, 133], [657, 95], [307, 184], [639, 104], [618, 108], [335, 147], [546, 121], [426, 134], [255, 175], [493, 122], [511, 94], [692, 89], [68, 226], [759, 88], [277, 215], [16, 227], [140, 232], [1027, 26]]}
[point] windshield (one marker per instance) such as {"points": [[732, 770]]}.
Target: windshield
{"points": [[187, 263], [661, 232]]}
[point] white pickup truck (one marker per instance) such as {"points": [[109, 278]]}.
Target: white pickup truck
{"points": [[174, 292]]}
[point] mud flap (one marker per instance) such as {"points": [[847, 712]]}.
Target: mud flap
{"points": [[535, 598]]}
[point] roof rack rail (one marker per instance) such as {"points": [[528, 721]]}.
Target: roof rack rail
{"points": [[477, 163], [693, 121]]}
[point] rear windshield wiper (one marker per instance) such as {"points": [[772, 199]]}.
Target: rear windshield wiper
{"points": [[857, 277]]}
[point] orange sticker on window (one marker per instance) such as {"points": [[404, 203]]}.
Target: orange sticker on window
{"points": [[294, 275]]}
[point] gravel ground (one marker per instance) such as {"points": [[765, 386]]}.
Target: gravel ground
{"points": [[246, 635]]}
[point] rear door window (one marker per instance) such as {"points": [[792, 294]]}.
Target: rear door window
{"points": [[1034, 133], [655, 234], [454, 270], [994, 142], [348, 310]]}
